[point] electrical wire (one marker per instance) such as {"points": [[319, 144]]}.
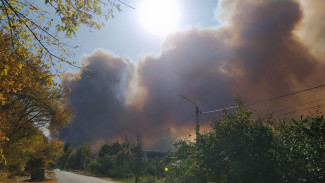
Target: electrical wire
{"points": [[266, 100], [304, 109], [284, 109], [254, 103]]}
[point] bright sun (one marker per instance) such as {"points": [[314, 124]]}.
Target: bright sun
{"points": [[159, 16]]}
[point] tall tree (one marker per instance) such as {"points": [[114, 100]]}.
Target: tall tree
{"points": [[30, 104], [64, 159], [34, 32], [238, 149]]}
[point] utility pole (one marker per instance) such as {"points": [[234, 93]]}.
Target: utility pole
{"points": [[138, 158], [197, 129], [197, 112]]}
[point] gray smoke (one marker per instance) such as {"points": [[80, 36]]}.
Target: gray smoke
{"points": [[256, 54]]}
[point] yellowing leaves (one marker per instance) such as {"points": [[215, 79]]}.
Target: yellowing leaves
{"points": [[17, 67], [2, 99], [6, 69]]}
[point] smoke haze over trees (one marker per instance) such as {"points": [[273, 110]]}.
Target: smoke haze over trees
{"points": [[241, 146], [261, 49]]}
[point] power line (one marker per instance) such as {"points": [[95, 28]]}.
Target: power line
{"points": [[253, 103], [289, 94], [284, 109], [266, 100], [304, 109]]}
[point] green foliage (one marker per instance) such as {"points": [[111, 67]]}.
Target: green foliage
{"points": [[63, 160], [183, 165], [237, 150], [244, 148], [114, 160], [300, 148], [111, 149], [82, 157], [148, 179], [154, 167]]}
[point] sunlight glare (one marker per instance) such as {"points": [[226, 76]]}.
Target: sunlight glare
{"points": [[159, 16]]}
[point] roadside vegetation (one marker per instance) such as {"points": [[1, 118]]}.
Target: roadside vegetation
{"points": [[240, 147], [121, 162], [32, 99]]}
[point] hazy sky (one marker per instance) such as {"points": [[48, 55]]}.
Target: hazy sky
{"points": [[126, 36]]}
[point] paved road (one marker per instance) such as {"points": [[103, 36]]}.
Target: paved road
{"points": [[67, 177]]}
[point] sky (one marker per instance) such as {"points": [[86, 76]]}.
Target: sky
{"points": [[258, 50], [125, 36]]}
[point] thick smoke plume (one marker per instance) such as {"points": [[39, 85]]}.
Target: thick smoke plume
{"points": [[260, 51]]}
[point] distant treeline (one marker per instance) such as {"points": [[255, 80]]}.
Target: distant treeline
{"points": [[115, 160], [241, 147]]}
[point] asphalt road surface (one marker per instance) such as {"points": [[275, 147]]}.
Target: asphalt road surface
{"points": [[67, 177]]}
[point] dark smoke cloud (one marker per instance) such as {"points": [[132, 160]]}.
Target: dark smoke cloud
{"points": [[98, 99], [255, 54]]}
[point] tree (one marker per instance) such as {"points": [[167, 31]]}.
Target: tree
{"points": [[183, 164], [300, 148], [124, 163], [237, 150], [64, 159], [29, 97], [111, 149], [113, 160], [33, 33], [30, 104], [35, 151], [38, 106], [46, 152], [82, 157], [16, 67]]}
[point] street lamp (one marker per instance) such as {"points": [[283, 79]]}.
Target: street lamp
{"points": [[197, 112]]}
